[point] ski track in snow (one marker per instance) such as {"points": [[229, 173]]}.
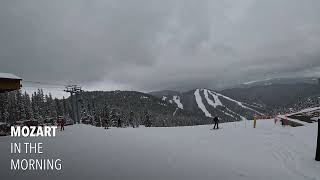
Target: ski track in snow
{"points": [[176, 99], [286, 156], [200, 103], [174, 113]]}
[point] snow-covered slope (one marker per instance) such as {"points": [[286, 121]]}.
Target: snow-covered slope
{"points": [[200, 103], [212, 99], [234, 152], [176, 99], [208, 103], [239, 103], [215, 102]]}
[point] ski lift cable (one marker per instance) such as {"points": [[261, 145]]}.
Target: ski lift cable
{"points": [[46, 87], [45, 83]]}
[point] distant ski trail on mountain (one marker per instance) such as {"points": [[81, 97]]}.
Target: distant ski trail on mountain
{"points": [[176, 99], [216, 102], [200, 103], [239, 103]]}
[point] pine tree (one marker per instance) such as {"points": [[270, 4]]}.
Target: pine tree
{"points": [[28, 106], [35, 106], [41, 104], [131, 119], [20, 106], [147, 122], [66, 107], [4, 107], [52, 107], [105, 116], [59, 107], [12, 111], [47, 110]]}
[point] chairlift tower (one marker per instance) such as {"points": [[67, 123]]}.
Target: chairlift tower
{"points": [[74, 91]]}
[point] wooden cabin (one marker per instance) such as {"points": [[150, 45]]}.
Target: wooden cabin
{"points": [[9, 82]]}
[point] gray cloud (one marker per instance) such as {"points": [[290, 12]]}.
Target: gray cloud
{"points": [[150, 45]]}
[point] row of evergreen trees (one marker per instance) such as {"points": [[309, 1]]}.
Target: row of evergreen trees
{"points": [[17, 106], [20, 106], [96, 108]]}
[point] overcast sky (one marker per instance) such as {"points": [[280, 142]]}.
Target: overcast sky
{"points": [[159, 44]]}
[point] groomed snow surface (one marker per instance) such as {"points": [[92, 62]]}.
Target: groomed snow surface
{"points": [[234, 152]]}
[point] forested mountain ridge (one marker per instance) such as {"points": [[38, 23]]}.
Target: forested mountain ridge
{"points": [[209, 103], [162, 113], [166, 108], [17, 106]]}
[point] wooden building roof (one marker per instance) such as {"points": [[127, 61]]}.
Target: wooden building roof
{"points": [[9, 76], [9, 82]]}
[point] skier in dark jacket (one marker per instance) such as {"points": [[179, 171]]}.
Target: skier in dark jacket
{"points": [[119, 122], [216, 122], [62, 124]]}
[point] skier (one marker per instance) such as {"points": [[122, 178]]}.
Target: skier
{"points": [[62, 124], [282, 122], [275, 120], [119, 122], [216, 122]]}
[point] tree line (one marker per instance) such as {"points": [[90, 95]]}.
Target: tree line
{"points": [[96, 107], [19, 106]]}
